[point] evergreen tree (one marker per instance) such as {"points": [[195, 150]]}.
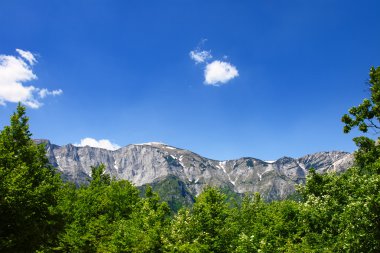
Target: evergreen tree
{"points": [[28, 189]]}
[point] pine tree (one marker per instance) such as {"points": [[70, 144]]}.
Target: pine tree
{"points": [[28, 189]]}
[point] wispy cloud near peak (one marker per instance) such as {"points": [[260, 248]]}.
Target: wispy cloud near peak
{"points": [[104, 143]]}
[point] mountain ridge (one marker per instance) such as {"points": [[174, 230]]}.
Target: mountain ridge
{"points": [[152, 163]]}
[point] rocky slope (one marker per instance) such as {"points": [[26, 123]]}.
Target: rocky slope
{"points": [[153, 163]]}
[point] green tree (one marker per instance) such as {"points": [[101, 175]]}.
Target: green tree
{"points": [[28, 189], [145, 230], [267, 227], [366, 116], [92, 211], [203, 229], [341, 213]]}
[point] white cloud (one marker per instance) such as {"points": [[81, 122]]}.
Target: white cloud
{"points": [[200, 56], [14, 72], [219, 72], [104, 143], [27, 56], [45, 92]]}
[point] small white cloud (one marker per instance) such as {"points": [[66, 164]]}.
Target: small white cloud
{"points": [[104, 143], [14, 72], [219, 72], [45, 92], [200, 56]]}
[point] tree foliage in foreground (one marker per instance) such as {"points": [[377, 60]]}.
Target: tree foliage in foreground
{"points": [[28, 189], [334, 212]]}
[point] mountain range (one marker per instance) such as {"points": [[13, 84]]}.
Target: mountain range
{"points": [[179, 175]]}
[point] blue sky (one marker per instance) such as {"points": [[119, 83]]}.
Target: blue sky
{"points": [[283, 73]]}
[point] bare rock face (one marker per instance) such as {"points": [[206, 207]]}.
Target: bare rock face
{"points": [[149, 163]]}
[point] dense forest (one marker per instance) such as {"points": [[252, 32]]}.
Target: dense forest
{"points": [[331, 212]]}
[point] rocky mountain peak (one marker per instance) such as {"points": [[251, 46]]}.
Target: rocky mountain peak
{"points": [[153, 162]]}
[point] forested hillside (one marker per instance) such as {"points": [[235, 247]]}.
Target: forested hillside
{"points": [[333, 212]]}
